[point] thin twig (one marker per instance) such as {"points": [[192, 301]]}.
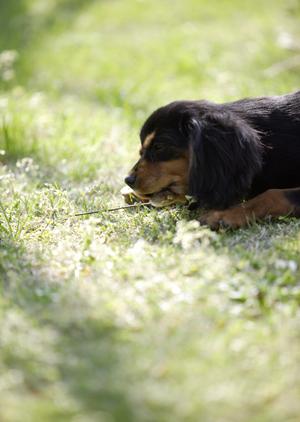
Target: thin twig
{"points": [[111, 209]]}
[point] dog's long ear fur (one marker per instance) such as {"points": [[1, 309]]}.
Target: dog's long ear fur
{"points": [[225, 155]]}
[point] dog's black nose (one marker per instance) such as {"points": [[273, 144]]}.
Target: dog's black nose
{"points": [[130, 180]]}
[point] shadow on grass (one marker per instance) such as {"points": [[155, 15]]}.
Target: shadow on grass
{"points": [[84, 358], [21, 26], [89, 358]]}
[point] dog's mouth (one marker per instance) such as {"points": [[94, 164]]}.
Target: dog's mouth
{"points": [[164, 191], [164, 197], [170, 189], [167, 196]]}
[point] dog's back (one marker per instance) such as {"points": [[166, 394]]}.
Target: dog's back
{"points": [[278, 121], [280, 114]]}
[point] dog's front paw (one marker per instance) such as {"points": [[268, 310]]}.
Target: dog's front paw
{"points": [[232, 218]]}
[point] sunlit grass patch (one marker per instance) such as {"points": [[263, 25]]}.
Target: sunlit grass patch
{"points": [[140, 314]]}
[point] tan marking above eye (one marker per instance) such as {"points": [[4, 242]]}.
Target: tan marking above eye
{"points": [[148, 140]]}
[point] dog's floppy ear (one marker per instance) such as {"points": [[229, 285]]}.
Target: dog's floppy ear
{"points": [[225, 155]]}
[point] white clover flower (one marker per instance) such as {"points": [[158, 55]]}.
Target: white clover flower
{"points": [[8, 57], [7, 61], [289, 264], [27, 165], [3, 103], [8, 75], [189, 234], [286, 40]]}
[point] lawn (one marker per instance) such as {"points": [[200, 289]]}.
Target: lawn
{"points": [[136, 315]]}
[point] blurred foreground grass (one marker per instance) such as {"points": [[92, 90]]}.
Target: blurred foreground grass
{"points": [[138, 315]]}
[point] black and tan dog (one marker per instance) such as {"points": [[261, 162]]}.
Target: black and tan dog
{"points": [[239, 160]]}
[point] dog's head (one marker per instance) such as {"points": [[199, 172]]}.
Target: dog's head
{"points": [[197, 149]]}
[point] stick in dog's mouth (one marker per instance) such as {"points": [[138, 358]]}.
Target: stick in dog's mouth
{"points": [[165, 191], [163, 198]]}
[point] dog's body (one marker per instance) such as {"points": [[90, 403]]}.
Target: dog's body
{"points": [[277, 120], [223, 154]]}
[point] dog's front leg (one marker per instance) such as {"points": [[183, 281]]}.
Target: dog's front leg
{"points": [[272, 203]]}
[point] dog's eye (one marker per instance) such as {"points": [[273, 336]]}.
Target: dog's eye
{"points": [[158, 152], [156, 147]]}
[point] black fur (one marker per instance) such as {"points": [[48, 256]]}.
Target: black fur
{"points": [[237, 150], [226, 155]]}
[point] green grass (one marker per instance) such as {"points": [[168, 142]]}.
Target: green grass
{"points": [[137, 315]]}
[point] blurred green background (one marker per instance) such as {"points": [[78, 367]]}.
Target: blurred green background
{"points": [[136, 316], [128, 57], [138, 54]]}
